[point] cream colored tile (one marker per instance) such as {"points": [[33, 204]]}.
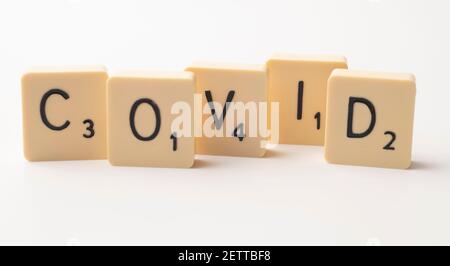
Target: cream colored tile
{"points": [[241, 85], [370, 119], [299, 84], [64, 113], [140, 119]]}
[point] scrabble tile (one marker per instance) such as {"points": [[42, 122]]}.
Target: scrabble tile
{"points": [[370, 119], [64, 113], [238, 85], [141, 119], [299, 84]]}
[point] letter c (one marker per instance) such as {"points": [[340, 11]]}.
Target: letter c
{"points": [[44, 118]]}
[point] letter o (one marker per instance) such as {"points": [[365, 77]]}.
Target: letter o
{"points": [[133, 116]]}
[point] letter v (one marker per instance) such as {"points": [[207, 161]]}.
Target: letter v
{"points": [[218, 122]]}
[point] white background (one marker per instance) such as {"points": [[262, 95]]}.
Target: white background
{"points": [[292, 197]]}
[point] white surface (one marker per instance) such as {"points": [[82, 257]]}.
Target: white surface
{"points": [[290, 198]]}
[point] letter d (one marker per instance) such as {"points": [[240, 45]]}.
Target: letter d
{"points": [[351, 109]]}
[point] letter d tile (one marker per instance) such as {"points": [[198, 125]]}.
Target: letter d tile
{"points": [[370, 119]]}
